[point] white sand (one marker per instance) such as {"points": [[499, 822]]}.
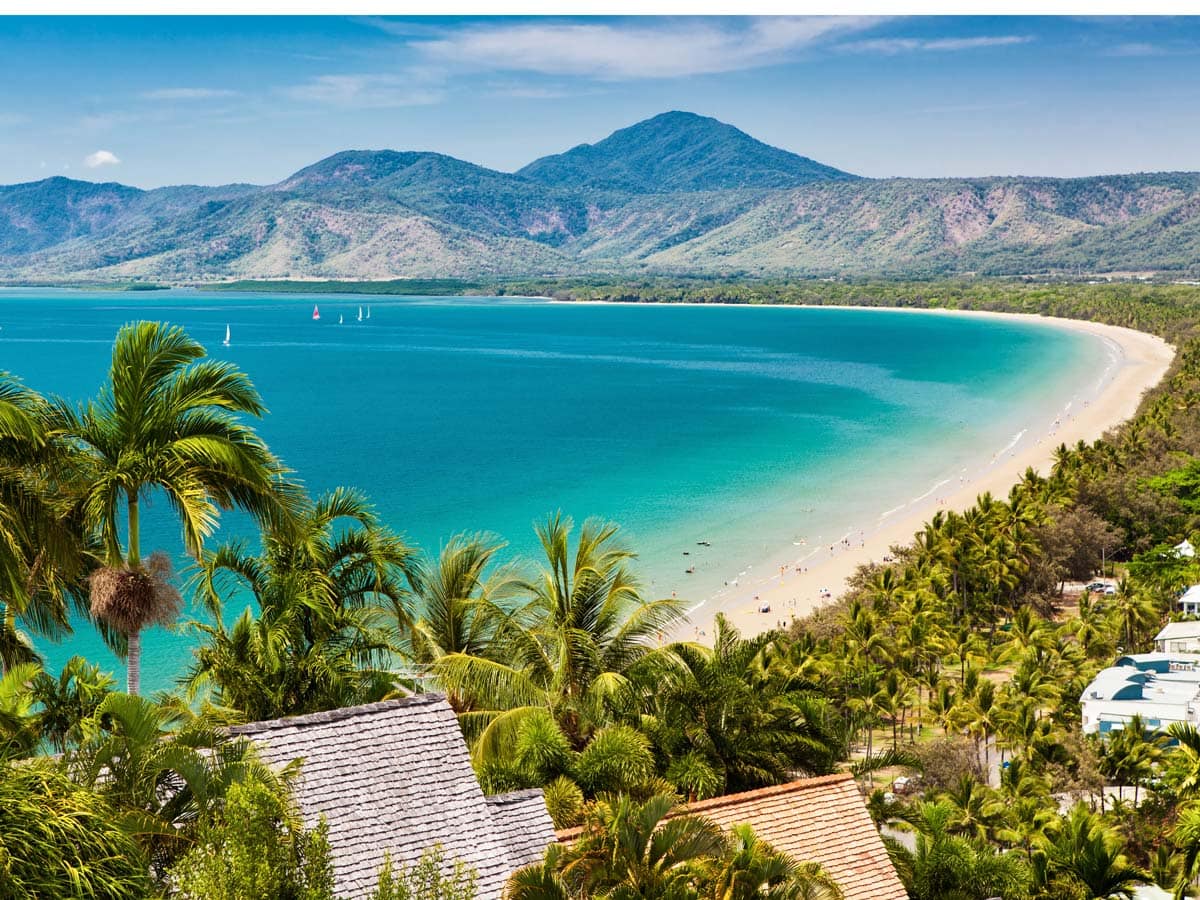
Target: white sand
{"points": [[1139, 362]]}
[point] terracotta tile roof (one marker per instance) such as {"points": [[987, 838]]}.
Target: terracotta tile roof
{"points": [[395, 776], [821, 820]]}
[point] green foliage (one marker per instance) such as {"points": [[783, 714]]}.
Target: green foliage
{"points": [[59, 839], [325, 574], [253, 847], [427, 879], [650, 849]]}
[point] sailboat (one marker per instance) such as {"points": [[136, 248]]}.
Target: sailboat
{"points": [[368, 312], [226, 341], [340, 319], [316, 314], [360, 314]]}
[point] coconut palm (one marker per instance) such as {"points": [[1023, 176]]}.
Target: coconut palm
{"points": [[167, 420], [458, 600], [43, 557], [568, 648], [328, 578]]}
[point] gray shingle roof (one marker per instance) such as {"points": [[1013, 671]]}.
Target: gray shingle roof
{"points": [[522, 819], [396, 776]]}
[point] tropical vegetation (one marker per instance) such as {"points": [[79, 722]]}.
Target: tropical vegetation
{"points": [[958, 663]]}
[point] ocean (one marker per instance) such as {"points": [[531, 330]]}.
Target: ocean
{"points": [[753, 429]]}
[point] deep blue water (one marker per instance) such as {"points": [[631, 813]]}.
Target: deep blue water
{"points": [[740, 426]]}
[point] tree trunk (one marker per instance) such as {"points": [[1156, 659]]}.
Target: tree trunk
{"points": [[134, 663], [134, 551]]}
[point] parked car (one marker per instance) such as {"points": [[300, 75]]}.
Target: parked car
{"points": [[1096, 587]]}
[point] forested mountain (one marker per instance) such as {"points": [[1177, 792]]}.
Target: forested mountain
{"points": [[678, 151], [676, 193]]}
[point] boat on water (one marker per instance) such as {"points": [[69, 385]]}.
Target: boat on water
{"points": [[316, 314], [340, 319], [226, 341], [368, 312], [360, 314]]}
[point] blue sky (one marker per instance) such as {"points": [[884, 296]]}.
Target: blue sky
{"points": [[153, 101]]}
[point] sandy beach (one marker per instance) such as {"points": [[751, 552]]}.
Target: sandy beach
{"points": [[797, 579]]}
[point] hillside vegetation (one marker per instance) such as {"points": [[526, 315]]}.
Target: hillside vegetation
{"points": [[678, 193]]}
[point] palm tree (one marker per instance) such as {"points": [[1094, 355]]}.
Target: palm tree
{"points": [[43, 557], [568, 648], [1184, 759], [327, 577], [458, 600], [1082, 852], [724, 720], [1134, 613], [1186, 836], [751, 869], [59, 839], [166, 420], [637, 850], [68, 700], [943, 865], [161, 774]]}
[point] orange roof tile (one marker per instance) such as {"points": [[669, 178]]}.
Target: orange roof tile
{"points": [[822, 820]]}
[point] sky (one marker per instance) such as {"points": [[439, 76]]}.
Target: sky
{"points": [[174, 100]]}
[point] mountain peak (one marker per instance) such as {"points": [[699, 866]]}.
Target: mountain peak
{"points": [[679, 151]]}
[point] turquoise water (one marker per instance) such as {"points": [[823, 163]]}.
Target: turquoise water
{"points": [[745, 427]]}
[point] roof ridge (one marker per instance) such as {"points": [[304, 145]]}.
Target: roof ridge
{"points": [[799, 784], [701, 806], [337, 715], [514, 796]]}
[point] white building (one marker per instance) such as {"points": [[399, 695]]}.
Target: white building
{"points": [[1180, 637], [1161, 688], [1189, 601]]}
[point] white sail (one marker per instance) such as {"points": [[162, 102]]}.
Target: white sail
{"points": [[226, 335]]}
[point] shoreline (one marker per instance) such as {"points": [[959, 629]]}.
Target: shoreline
{"points": [[800, 584]]}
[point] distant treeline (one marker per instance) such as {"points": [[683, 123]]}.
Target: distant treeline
{"points": [[413, 287]]}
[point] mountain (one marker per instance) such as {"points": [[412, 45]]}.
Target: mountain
{"points": [[678, 151], [678, 193]]}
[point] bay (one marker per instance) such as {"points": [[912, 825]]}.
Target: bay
{"points": [[746, 427]]}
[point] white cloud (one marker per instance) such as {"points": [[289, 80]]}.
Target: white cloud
{"points": [[891, 46], [101, 158], [1137, 49], [187, 93], [371, 91], [630, 50]]}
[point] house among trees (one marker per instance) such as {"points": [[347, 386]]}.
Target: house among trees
{"points": [[395, 777], [822, 820], [1180, 637], [1189, 601]]}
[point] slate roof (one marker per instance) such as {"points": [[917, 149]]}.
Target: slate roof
{"points": [[821, 820], [396, 776], [522, 819]]}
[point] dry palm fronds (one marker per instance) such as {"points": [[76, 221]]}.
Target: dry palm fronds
{"points": [[132, 599]]}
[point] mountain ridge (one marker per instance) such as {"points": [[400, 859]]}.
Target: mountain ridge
{"points": [[677, 193]]}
